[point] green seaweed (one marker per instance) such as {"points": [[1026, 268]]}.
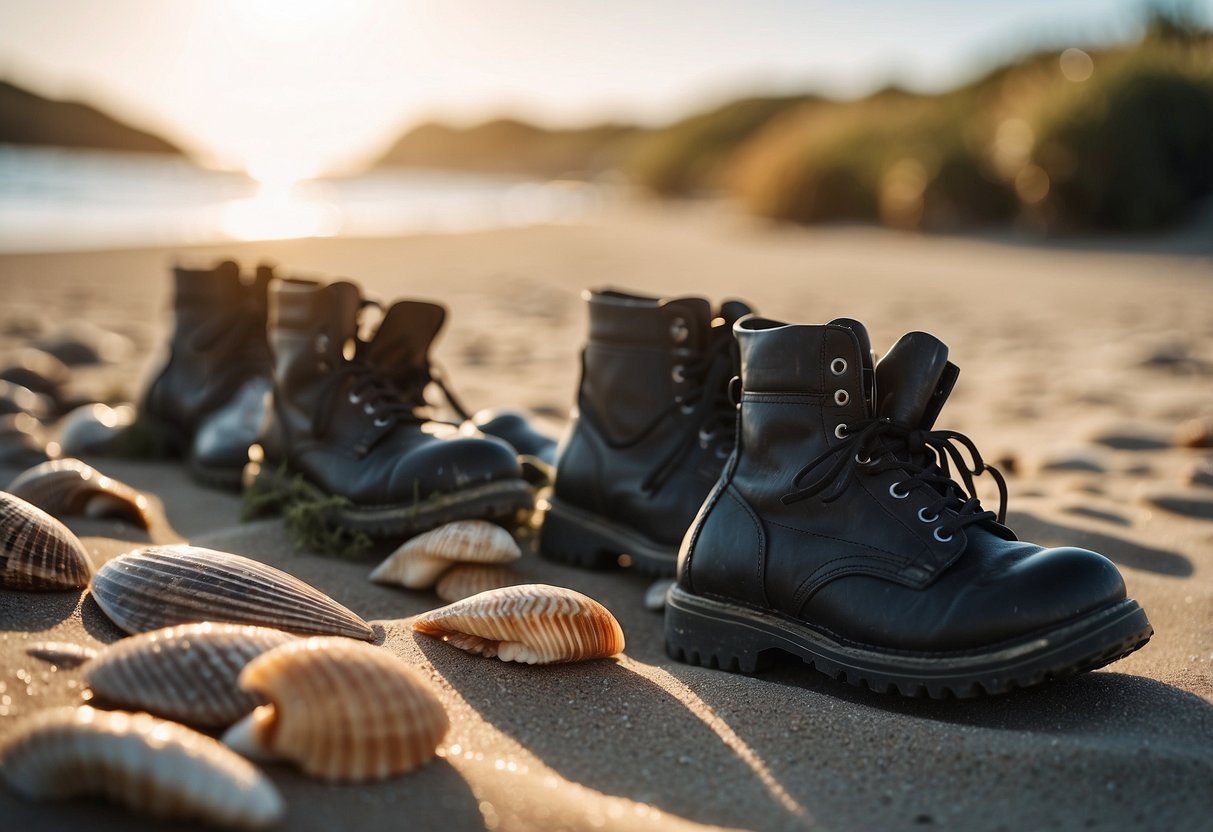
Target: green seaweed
{"points": [[311, 519]]}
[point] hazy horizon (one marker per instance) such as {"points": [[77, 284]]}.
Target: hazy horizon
{"points": [[305, 86]]}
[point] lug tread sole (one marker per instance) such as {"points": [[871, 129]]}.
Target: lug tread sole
{"points": [[1124, 630]]}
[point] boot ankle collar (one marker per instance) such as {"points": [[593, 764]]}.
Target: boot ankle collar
{"points": [[824, 360], [636, 320]]}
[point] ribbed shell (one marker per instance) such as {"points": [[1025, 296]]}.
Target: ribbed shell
{"points": [[340, 710], [466, 579], [420, 561], [153, 767], [531, 623], [165, 585], [37, 552], [65, 487], [187, 673]]}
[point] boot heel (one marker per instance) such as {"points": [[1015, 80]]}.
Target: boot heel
{"points": [[564, 540], [693, 636]]}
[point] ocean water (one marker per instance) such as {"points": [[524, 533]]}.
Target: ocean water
{"points": [[62, 200]]}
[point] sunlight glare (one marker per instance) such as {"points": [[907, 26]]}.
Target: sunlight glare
{"points": [[281, 211]]}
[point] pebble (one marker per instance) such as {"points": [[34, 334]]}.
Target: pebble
{"points": [[17, 399], [1183, 503], [91, 427], [1133, 440], [654, 597], [1200, 472], [38, 371], [1195, 433], [1074, 461]]}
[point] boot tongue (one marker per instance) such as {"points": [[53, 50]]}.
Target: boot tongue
{"points": [[865, 352], [914, 379], [405, 334]]}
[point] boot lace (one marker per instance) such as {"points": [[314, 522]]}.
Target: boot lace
{"points": [[926, 457], [709, 415], [414, 382], [364, 386]]}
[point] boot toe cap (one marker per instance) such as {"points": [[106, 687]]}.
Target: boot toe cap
{"points": [[454, 464]]}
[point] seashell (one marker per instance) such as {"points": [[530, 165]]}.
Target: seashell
{"points": [[37, 552], [340, 710], [418, 563], [65, 487], [63, 654], [151, 766], [164, 585], [93, 427], [466, 579], [20, 446], [17, 399], [38, 371], [1195, 433], [531, 623], [186, 673]]}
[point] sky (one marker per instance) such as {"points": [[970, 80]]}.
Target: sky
{"points": [[298, 87]]}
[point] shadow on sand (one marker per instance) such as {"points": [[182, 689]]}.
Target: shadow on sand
{"points": [[1121, 550]]}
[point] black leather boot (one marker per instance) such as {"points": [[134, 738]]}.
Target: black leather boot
{"points": [[652, 429], [207, 402], [844, 530], [338, 420]]}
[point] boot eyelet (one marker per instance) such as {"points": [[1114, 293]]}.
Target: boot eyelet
{"points": [[863, 460], [897, 494], [382, 422], [686, 410], [841, 397], [841, 432], [355, 398], [679, 331], [678, 374], [838, 366], [322, 343], [940, 537], [706, 436], [922, 515], [368, 409]]}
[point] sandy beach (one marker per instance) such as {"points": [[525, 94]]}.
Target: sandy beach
{"points": [[1078, 367]]}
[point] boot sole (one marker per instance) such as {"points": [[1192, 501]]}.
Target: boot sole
{"points": [[227, 479], [501, 502], [716, 634], [580, 538]]}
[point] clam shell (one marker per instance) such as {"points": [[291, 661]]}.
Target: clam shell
{"points": [[165, 585], [187, 673], [65, 487], [466, 579], [37, 551], [63, 654], [419, 562], [151, 766], [340, 710], [531, 623]]}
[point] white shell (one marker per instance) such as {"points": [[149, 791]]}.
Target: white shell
{"points": [[341, 710], [153, 767], [532, 624], [420, 561], [37, 552], [186, 673], [165, 585]]}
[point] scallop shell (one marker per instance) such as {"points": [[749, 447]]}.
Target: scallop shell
{"points": [[419, 562], [65, 487], [37, 551], [531, 623], [187, 673], [340, 710], [466, 579], [151, 766], [63, 654], [164, 585]]}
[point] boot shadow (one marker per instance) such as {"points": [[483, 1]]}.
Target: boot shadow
{"points": [[1121, 550], [606, 727]]}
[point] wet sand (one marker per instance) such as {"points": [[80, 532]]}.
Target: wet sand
{"points": [[1077, 365]]}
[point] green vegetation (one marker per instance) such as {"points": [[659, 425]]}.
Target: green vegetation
{"points": [[1110, 139], [311, 519]]}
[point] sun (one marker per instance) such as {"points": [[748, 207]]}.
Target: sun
{"points": [[274, 20]]}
